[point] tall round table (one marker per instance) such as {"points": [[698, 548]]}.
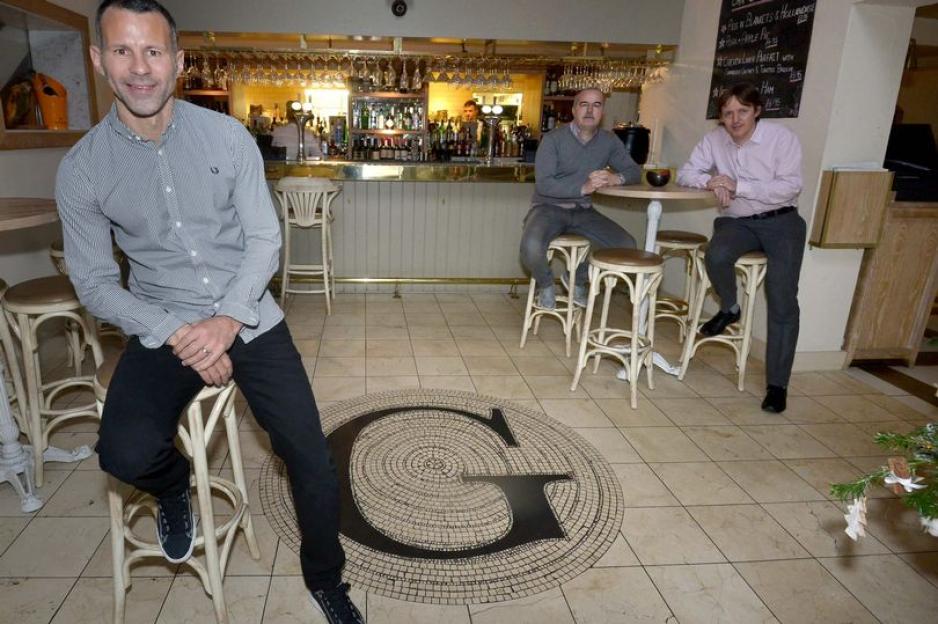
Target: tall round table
{"points": [[18, 213], [655, 195]]}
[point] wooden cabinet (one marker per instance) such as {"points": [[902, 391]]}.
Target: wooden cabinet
{"points": [[42, 37], [850, 209], [897, 285]]}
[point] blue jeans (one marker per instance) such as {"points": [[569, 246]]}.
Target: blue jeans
{"points": [[145, 399], [544, 223]]}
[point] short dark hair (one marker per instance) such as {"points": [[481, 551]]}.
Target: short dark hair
{"points": [[136, 6], [745, 92], [472, 103]]}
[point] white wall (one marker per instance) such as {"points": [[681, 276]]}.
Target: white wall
{"points": [[851, 82], [623, 21]]}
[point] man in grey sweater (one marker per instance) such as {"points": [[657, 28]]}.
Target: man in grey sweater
{"points": [[573, 161]]}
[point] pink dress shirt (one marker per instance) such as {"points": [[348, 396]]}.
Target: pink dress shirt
{"points": [[767, 168]]}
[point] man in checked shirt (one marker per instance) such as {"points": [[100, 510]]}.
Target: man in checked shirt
{"points": [[183, 190]]}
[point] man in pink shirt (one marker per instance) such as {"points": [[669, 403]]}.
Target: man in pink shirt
{"points": [[754, 169]]}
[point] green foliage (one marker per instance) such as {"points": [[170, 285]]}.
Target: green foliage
{"points": [[920, 448]]}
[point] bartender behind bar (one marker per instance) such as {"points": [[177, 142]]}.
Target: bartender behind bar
{"points": [[288, 136]]}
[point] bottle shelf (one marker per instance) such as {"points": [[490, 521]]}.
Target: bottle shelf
{"points": [[557, 98]]}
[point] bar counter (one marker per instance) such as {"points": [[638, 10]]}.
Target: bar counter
{"points": [[423, 225], [500, 170]]}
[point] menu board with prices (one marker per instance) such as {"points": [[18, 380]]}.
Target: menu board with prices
{"points": [[765, 43]]}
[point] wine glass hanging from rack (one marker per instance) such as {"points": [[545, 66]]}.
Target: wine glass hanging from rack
{"points": [[216, 69]]}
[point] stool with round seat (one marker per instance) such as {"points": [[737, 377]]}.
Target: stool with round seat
{"points": [[31, 304], [682, 245], [307, 203], [641, 271], [572, 249], [57, 255], [194, 433], [751, 268]]}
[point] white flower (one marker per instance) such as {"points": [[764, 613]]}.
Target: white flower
{"points": [[856, 518], [929, 525], [910, 484]]}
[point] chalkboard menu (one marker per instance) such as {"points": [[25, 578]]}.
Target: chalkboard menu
{"points": [[766, 43]]}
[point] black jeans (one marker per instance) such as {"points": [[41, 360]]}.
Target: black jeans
{"points": [[147, 394], [782, 239]]}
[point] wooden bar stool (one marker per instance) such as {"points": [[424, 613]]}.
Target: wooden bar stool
{"points": [[572, 249], [682, 245], [307, 203], [31, 304], [751, 268], [641, 271], [57, 254], [194, 434]]}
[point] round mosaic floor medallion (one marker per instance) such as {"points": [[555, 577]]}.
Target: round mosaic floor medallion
{"points": [[455, 498]]}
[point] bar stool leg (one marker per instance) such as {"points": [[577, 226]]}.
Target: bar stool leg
{"points": [[121, 578], [326, 268], [689, 283], [571, 264], [585, 329], [608, 284], [33, 398], [74, 345], [650, 333], [206, 511], [237, 467], [700, 294], [528, 313], [752, 278]]}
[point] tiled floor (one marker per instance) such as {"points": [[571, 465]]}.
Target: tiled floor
{"points": [[727, 514]]}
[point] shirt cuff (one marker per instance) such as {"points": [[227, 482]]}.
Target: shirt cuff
{"points": [[743, 189], [245, 315], [162, 332]]}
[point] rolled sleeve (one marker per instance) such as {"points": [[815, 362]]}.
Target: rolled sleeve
{"points": [[251, 200]]}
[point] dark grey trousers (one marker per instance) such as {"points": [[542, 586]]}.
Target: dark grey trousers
{"points": [[782, 239], [544, 223]]}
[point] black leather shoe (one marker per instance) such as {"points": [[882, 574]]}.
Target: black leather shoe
{"points": [[774, 400], [716, 325]]}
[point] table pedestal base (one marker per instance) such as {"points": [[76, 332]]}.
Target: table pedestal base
{"points": [[65, 456], [21, 469]]}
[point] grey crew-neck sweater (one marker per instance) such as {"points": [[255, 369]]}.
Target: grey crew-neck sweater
{"points": [[563, 164]]}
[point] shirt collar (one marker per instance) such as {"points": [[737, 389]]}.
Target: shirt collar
{"points": [[757, 136], [121, 128], [576, 133]]}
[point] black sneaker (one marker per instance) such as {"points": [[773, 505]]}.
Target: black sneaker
{"points": [[175, 526], [336, 606], [716, 325]]}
